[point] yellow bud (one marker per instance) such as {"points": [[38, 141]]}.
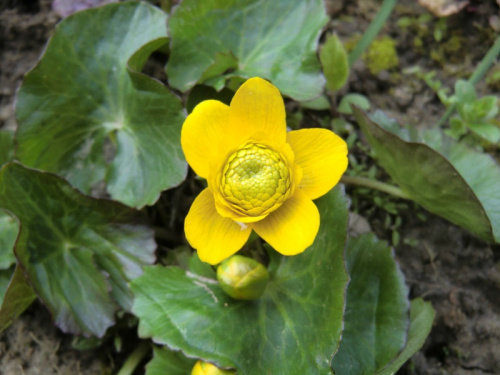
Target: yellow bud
{"points": [[206, 368], [242, 278]]}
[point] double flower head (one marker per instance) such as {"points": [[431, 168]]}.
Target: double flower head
{"points": [[260, 177]]}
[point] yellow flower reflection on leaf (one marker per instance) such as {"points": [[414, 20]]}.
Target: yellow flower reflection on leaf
{"points": [[259, 176]]}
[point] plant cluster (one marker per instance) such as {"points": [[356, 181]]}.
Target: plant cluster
{"points": [[95, 180]]}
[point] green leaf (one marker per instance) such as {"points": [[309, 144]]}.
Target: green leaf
{"points": [[276, 40], [485, 107], [421, 317], [321, 103], [86, 115], [5, 276], [6, 146], [376, 318], [294, 328], [168, 362], [335, 64], [439, 175], [464, 91], [356, 99], [490, 132], [9, 228], [79, 253], [18, 296]]}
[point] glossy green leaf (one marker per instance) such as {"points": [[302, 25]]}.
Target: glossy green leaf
{"points": [[6, 146], [85, 112], [168, 362], [294, 328], [421, 318], [376, 318], [79, 253], [439, 173], [276, 40], [335, 64], [18, 296]]}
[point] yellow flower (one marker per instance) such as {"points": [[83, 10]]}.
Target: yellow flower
{"points": [[259, 176], [206, 368]]}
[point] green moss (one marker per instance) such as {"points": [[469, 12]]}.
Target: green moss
{"points": [[381, 55]]}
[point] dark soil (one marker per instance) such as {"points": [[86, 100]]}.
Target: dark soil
{"points": [[458, 273]]}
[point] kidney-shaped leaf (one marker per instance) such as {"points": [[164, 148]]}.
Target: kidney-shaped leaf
{"points": [[87, 116], [445, 177], [275, 39], [79, 253], [294, 328], [377, 307]]}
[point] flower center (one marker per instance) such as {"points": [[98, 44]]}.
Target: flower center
{"points": [[256, 180]]}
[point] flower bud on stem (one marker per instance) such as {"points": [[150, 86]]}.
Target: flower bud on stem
{"points": [[242, 278]]}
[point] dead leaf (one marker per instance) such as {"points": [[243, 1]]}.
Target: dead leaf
{"points": [[444, 8]]}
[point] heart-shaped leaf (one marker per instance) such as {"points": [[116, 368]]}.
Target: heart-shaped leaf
{"points": [[275, 39], [445, 177], [168, 362], [294, 328], [376, 318], [79, 253], [86, 115]]}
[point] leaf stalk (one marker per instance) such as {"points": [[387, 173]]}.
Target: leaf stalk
{"points": [[374, 184]]}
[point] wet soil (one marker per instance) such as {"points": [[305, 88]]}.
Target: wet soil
{"points": [[457, 273]]}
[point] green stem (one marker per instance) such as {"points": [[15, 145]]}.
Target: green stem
{"points": [[372, 30], [374, 184], [135, 358], [478, 74]]}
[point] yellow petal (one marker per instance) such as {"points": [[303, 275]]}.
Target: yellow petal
{"points": [[258, 111], [323, 158], [204, 136], [215, 237], [291, 228]]}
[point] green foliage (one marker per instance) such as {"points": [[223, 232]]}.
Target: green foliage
{"points": [[293, 328], [335, 64], [421, 318], [168, 362], [6, 146], [358, 100], [276, 40], [18, 296], [474, 114], [437, 173], [376, 318], [102, 120], [88, 114], [68, 240]]}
